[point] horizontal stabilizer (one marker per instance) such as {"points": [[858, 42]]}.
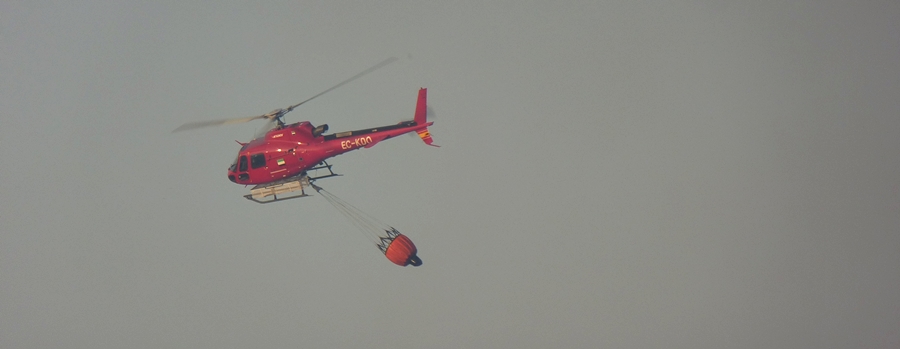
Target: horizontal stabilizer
{"points": [[426, 137]]}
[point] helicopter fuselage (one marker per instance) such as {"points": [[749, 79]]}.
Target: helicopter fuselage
{"points": [[290, 150]]}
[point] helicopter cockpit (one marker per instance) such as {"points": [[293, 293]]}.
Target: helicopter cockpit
{"points": [[238, 170], [239, 167]]}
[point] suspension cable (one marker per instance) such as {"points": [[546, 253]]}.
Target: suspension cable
{"points": [[369, 226]]}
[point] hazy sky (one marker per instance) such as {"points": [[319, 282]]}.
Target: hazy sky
{"points": [[677, 174]]}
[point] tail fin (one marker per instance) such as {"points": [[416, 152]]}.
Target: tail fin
{"points": [[421, 112], [421, 107]]}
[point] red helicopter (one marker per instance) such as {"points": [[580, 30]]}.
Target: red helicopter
{"points": [[280, 162]]}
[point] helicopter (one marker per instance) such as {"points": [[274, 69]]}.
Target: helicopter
{"points": [[289, 157]]}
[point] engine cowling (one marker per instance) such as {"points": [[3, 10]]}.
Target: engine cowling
{"points": [[319, 130]]}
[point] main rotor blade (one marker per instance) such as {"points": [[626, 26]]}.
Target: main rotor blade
{"points": [[357, 76], [280, 112], [199, 124]]}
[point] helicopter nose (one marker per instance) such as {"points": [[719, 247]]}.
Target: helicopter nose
{"points": [[243, 177], [238, 177]]}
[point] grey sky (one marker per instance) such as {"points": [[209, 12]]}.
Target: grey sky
{"points": [[688, 174]]}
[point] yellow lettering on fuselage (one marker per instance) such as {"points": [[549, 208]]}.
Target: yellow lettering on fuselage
{"points": [[356, 142]]}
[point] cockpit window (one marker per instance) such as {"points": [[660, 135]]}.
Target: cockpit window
{"points": [[243, 164], [257, 160]]}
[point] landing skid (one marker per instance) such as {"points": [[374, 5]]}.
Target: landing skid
{"points": [[288, 187], [322, 166]]}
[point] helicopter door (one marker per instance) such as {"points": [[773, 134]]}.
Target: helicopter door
{"points": [[242, 168]]}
